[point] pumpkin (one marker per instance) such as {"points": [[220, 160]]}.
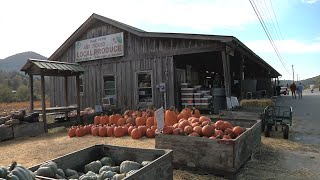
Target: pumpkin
{"points": [[194, 134], [205, 123], [170, 117], [71, 173], [72, 132], [183, 124], [110, 131], [186, 112], [227, 125], [136, 133], [237, 130], [167, 130], [128, 113], [195, 120], [130, 128], [106, 175], [227, 131], [143, 130], [104, 120], [154, 128], [127, 166], [94, 166], [118, 131], [61, 173], [52, 165], [198, 130], [188, 129], [121, 121], [207, 130], [107, 161], [195, 113], [95, 131], [150, 133], [87, 129], [3, 172], [131, 121], [105, 168], [125, 129], [140, 121], [225, 137], [113, 119], [45, 171], [181, 116], [20, 172], [220, 125], [102, 131], [203, 118], [80, 131], [177, 131], [218, 133], [96, 120], [150, 121]]}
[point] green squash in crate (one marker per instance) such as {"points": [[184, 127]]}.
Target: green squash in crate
{"points": [[127, 166], [3, 172], [94, 166]]}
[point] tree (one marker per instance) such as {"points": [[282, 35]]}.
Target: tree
{"points": [[6, 94], [23, 93]]}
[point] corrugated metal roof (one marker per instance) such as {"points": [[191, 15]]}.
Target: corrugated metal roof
{"points": [[35, 65]]}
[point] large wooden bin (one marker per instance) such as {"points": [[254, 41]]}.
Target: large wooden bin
{"points": [[212, 155], [6, 133], [28, 129], [160, 168]]}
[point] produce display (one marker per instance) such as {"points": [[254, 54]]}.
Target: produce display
{"points": [[86, 111], [138, 124], [16, 172], [102, 169]]}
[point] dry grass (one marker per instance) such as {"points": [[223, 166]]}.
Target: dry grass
{"points": [[255, 102], [6, 108]]}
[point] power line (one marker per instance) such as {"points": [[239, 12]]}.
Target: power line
{"points": [[267, 32]]}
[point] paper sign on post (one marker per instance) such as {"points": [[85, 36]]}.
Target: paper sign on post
{"points": [[160, 118]]}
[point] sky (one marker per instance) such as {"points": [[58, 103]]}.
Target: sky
{"points": [[294, 25]]}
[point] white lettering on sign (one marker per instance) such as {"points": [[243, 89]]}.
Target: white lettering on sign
{"points": [[99, 48], [160, 118]]}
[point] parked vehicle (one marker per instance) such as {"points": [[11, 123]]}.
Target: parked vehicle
{"points": [[284, 90]]}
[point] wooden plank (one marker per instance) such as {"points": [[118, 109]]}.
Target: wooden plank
{"points": [[31, 92], [66, 101], [43, 98], [78, 98], [6, 133], [226, 73], [28, 129]]}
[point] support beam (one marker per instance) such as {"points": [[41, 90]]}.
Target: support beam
{"points": [[31, 92], [66, 91], [226, 73], [78, 97], [43, 97], [241, 76]]}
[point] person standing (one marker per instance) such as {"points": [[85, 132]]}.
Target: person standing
{"points": [[293, 89], [299, 90]]}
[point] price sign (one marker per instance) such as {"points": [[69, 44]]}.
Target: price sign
{"points": [[160, 118]]}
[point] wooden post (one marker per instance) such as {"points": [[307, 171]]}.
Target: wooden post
{"points": [[241, 75], [43, 97], [31, 92], [226, 73], [66, 91], [78, 97]]}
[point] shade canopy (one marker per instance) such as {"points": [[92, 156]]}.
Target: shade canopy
{"points": [[51, 68]]}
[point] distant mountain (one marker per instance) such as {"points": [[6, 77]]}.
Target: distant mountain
{"points": [[15, 62]]}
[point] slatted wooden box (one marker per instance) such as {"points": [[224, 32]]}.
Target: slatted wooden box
{"points": [[160, 168], [219, 157]]}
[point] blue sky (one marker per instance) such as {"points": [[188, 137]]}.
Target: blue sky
{"points": [[42, 26]]}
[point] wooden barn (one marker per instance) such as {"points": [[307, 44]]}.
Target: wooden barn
{"points": [[129, 68]]}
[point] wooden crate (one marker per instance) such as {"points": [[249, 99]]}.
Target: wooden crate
{"points": [[160, 168], [28, 129], [219, 157], [6, 133], [239, 114]]}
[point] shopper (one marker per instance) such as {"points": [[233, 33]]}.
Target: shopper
{"points": [[293, 89], [299, 90]]}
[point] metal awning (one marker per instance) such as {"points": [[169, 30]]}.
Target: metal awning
{"points": [[51, 68]]}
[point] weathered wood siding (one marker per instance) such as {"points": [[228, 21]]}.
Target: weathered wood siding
{"points": [[140, 54]]}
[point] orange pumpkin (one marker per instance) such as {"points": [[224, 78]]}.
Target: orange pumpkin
{"points": [[207, 130], [198, 130], [181, 116], [72, 132], [110, 131], [121, 121], [136, 133], [188, 129], [220, 125], [125, 129], [140, 121], [150, 121], [104, 119], [95, 131], [203, 118], [130, 128], [186, 112], [167, 130], [177, 131], [102, 131], [143, 130], [131, 120], [80, 131], [237, 130], [150, 133], [194, 134], [118, 131], [97, 120], [170, 117], [113, 119], [183, 124], [195, 113]]}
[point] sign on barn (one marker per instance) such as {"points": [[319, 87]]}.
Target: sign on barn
{"points": [[99, 48]]}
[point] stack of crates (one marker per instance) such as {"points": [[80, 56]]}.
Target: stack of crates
{"points": [[187, 99]]}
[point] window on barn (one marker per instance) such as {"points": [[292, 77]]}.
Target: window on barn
{"points": [[144, 85], [81, 85], [109, 89]]}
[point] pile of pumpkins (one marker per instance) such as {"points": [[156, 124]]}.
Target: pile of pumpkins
{"points": [[138, 124], [104, 168], [16, 172]]}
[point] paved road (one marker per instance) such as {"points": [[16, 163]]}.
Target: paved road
{"points": [[306, 117]]}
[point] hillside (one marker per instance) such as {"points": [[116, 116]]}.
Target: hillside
{"points": [[15, 62], [306, 82]]}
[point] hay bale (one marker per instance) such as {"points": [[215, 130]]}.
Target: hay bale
{"points": [[256, 103]]}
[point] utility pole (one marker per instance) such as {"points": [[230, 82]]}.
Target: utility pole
{"points": [[292, 73]]}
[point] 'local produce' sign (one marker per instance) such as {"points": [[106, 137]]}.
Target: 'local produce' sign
{"points": [[100, 47]]}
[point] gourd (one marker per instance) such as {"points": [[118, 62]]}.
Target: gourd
{"points": [[61, 173], [106, 174], [46, 172], [20, 172], [89, 176], [71, 173], [52, 165], [119, 176], [94, 166], [107, 161], [3, 172], [170, 117], [116, 169], [127, 166], [105, 168]]}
